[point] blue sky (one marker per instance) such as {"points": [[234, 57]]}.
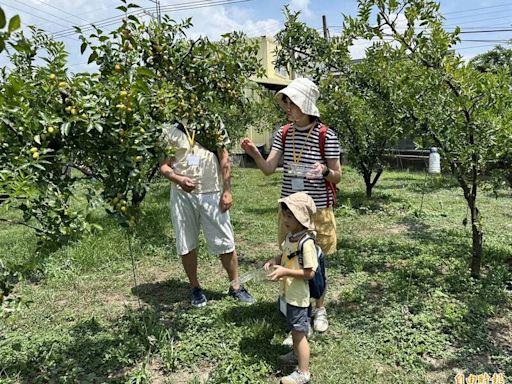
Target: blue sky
{"points": [[258, 17]]}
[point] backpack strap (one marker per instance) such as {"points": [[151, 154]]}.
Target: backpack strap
{"points": [[329, 186], [284, 133], [300, 249]]}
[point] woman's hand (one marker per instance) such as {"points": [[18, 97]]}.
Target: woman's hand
{"points": [[249, 147], [316, 171]]}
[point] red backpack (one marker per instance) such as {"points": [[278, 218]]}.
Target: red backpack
{"points": [[323, 134]]}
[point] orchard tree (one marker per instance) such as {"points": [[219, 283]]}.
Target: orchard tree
{"points": [[355, 97], [466, 113], [108, 124], [8, 275], [495, 60], [498, 60]]}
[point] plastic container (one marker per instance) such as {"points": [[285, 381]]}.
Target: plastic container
{"points": [[301, 170], [434, 162], [256, 275]]}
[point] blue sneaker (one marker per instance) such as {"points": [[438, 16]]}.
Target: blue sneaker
{"points": [[198, 297], [242, 295]]}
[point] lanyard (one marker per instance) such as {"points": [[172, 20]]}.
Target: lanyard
{"points": [[191, 139], [296, 159]]}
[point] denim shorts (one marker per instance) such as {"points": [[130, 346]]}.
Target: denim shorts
{"points": [[298, 318]]}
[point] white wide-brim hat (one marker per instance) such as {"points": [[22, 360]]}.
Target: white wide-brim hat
{"points": [[303, 208], [303, 93]]}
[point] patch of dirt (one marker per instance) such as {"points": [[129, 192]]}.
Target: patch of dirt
{"points": [[501, 331], [396, 229]]}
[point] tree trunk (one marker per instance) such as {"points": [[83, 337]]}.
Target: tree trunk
{"points": [[367, 175], [477, 249]]}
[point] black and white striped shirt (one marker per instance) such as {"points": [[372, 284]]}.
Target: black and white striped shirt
{"points": [[307, 145]]}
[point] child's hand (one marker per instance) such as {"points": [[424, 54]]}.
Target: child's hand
{"points": [[268, 264], [279, 271]]}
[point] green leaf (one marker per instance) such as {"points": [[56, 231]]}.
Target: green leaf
{"points": [[37, 139], [143, 71], [83, 47], [98, 127], [2, 18], [92, 57], [37, 165], [14, 23], [122, 8], [64, 128]]}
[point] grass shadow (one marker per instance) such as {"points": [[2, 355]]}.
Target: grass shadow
{"points": [[164, 295], [392, 287], [358, 199], [267, 324]]}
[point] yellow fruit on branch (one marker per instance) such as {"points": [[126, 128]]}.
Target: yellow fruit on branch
{"points": [[63, 84], [123, 93], [117, 68], [68, 108], [73, 111], [35, 155], [52, 76], [33, 149], [51, 130]]}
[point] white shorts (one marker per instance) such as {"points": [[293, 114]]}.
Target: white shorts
{"points": [[191, 211]]}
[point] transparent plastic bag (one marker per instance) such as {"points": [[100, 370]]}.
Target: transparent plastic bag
{"points": [[258, 275], [303, 170]]}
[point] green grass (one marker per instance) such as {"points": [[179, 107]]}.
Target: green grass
{"points": [[401, 306]]}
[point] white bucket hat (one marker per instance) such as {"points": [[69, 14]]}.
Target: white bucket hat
{"points": [[303, 93], [303, 208]]}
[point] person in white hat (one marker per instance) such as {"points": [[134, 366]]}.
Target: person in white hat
{"points": [[310, 152], [293, 274]]}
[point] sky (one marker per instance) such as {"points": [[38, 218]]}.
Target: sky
{"points": [[255, 17]]}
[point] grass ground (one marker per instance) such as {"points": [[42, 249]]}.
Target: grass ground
{"points": [[402, 308]]}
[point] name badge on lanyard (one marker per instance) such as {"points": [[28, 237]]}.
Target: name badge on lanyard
{"points": [[193, 159], [297, 184]]}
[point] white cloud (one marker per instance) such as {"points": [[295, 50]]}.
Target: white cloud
{"points": [[302, 6]]}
